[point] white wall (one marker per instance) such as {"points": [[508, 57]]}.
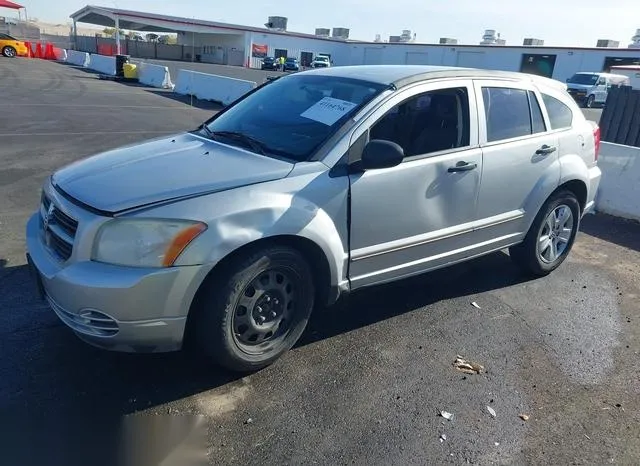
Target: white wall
{"points": [[619, 192], [220, 40], [496, 57]]}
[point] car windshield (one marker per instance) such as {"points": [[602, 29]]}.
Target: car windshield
{"points": [[268, 59], [583, 79], [322, 58], [292, 116], [291, 59]]}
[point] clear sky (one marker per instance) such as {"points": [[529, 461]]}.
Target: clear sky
{"points": [[558, 22]]}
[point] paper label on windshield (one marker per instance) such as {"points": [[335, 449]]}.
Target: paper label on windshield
{"points": [[328, 110]]}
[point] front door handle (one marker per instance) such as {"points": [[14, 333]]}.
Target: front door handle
{"points": [[546, 150], [463, 166]]}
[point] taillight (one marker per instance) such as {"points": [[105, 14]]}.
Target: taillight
{"points": [[596, 140]]}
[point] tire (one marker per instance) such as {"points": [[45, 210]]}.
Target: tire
{"points": [[269, 295], [590, 101], [9, 52], [541, 261]]}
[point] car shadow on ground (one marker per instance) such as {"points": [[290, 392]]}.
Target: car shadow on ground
{"points": [[187, 100], [50, 371], [383, 302], [625, 233]]}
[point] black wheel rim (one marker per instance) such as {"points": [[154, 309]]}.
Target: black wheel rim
{"points": [[264, 313]]}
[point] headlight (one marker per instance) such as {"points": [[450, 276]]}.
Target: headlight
{"points": [[144, 242]]}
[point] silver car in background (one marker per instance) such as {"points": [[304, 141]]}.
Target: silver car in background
{"points": [[231, 233]]}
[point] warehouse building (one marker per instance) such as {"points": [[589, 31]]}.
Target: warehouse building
{"points": [[231, 44]]}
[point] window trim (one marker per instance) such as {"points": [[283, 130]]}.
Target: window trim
{"points": [[412, 91]]}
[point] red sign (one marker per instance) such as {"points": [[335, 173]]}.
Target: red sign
{"points": [[259, 51]]}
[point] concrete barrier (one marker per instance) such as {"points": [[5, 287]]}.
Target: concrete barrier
{"points": [[103, 64], [78, 58], [61, 54], [212, 87], [154, 75], [619, 192]]}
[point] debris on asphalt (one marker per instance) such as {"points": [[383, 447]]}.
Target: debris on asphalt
{"points": [[524, 417], [443, 437], [497, 444], [467, 367], [446, 415], [476, 305], [248, 421], [491, 411], [588, 438]]}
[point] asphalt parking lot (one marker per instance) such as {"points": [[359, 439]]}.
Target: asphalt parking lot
{"points": [[367, 381]]}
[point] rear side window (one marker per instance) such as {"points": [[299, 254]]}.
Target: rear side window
{"points": [[560, 115], [537, 121], [507, 113]]}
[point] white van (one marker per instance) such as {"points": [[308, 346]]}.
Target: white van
{"points": [[591, 89]]}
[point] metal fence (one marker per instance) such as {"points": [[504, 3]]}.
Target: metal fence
{"points": [[620, 120], [158, 51]]}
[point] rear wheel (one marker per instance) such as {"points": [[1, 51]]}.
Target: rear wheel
{"points": [[590, 101], [256, 309], [551, 235], [9, 52]]}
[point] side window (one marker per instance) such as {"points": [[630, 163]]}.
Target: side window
{"points": [[560, 115], [602, 81], [429, 122], [537, 120], [507, 113]]}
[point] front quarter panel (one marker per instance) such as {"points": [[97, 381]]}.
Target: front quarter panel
{"points": [[309, 204]]}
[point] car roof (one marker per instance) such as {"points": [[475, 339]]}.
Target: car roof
{"points": [[403, 75]]}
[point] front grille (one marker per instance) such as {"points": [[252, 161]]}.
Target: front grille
{"points": [[59, 229]]}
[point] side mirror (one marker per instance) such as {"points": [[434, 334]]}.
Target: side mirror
{"points": [[379, 153]]}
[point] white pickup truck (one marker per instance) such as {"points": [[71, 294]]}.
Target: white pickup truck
{"points": [[321, 61]]}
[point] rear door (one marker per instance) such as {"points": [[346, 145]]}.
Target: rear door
{"points": [[519, 160]]}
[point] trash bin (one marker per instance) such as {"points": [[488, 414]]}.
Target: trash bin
{"points": [[120, 62], [130, 70]]}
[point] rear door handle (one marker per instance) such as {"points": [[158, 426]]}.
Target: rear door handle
{"points": [[546, 150], [463, 166]]}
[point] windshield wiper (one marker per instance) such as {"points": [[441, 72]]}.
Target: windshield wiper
{"points": [[253, 143]]}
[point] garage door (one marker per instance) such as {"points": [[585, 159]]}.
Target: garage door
{"points": [[372, 56], [471, 59], [417, 58]]}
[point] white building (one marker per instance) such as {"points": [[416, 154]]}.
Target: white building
{"points": [[247, 45]]}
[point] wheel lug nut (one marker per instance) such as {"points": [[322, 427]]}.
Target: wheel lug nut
{"points": [[268, 298], [273, 314], [259, 309], [261, 319]]}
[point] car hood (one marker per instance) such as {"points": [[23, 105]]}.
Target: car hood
{"points": [[164, 169]]}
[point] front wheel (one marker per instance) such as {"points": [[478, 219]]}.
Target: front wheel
{"points": [[9, 52], [590, 101], [551, 235], [256, 309]]}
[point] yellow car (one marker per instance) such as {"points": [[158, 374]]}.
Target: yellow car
{"points": [[11, 47]]}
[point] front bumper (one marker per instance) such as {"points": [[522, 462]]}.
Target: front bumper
{"points": [[112, 307], [579, 96]]}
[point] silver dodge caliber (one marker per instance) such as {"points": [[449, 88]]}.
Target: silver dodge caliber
{"points": [[231, 233]]}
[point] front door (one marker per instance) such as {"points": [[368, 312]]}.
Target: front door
{"points": [[520, 161], [601, 90], [418, 215]]}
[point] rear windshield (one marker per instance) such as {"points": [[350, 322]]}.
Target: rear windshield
{"points": [[7, 37], [583, 79]]}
